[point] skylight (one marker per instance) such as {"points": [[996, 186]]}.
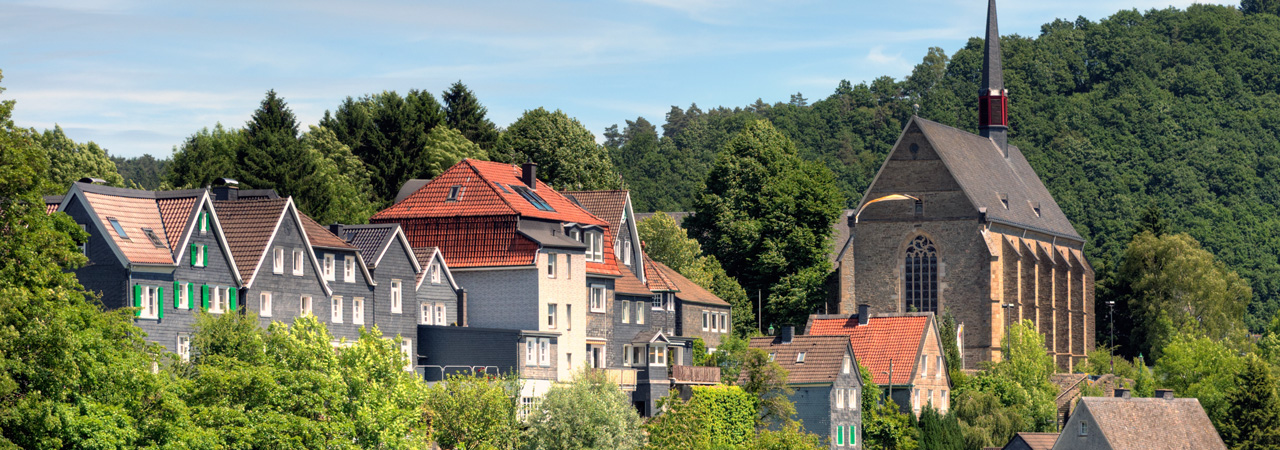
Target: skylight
{"points": [[533, 198], [500, 186], [455, 192], [800, 357], [119, 229], [155, 240]]}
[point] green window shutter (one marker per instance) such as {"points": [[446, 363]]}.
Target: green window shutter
{"points": [[137, 299], [159, 303], [194, 249], [191, 296], [839, 435], [177, 289], [204, 255], [204, 297], [853, 437], [231, 293]]}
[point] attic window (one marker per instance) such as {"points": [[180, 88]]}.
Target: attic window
{"points": [[1084, 428], [1035, 206], [1004, 200], [500, 186], [800, 357], [533, 198], [119, 229], [772, 355], [455, 191], [155, 240]]}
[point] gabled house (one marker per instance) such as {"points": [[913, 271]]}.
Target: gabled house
{"points": [[163, 252], [1124, 423], [352, 303], [523, 250], [697, 312], [902, 350], [823, 372]]}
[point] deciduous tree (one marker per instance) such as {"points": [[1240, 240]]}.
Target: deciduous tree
{"points": [[589, 413], [567, 154]]}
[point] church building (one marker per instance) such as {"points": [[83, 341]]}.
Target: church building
{"points": [[959, 222]]}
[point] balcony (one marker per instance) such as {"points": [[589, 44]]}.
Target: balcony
{"points": [[695, 375], [624, 378]]}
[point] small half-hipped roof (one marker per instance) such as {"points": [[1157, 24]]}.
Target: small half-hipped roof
{"points": [[1149, 423], [823, 359], [887, 343], [685, 288]]}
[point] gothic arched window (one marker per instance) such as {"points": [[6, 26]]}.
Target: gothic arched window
{"points": [[920, 276]]}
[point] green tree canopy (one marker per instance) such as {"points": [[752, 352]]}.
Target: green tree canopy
{"points": [[766, 214], [473, 412], [566, 152], [205, 156], [669, 244], [1204, 368], [389, 133], [445, 147], [1252, 420], [767, 381], [589, 413], [1012, 395], [69, 161], [464, 113]]}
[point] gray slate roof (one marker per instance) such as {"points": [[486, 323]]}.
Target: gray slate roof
{"points": [[984, 174], [1153, 423], [370, 239]]}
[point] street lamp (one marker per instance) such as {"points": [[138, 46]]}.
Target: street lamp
{"points": [[1111, 329]]}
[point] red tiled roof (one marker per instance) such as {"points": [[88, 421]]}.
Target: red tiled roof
{"points": [[688, 290], [133, 214], [823, 359], [486, 190], [658, 281], [610, 264], [248, 226], [51, 203], [320, 236], [629, 284], [607, 205], [881, 341], [175, 213], [483, 241]]}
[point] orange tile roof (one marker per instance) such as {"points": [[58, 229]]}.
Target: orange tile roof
{"points": [[658, 281], [688, 290], [320, 236], [881, 341], [176, 213], [248, 226], [133, 214], [51, 203], [630, 284], [473, 241]]}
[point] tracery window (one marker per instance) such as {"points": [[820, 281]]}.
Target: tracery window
{"points": [[920, 276]]}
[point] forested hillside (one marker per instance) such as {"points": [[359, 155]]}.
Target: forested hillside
{"points": [[1172, 109]]}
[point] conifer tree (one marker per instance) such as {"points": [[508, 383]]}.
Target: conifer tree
{"points": [[463, 112], [1252, 421], [271, 156]]}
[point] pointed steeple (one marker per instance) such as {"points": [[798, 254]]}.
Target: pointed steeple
{"points": [[993, 99]]}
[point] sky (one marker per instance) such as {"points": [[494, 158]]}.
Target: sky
{"points": [[138, 77]]}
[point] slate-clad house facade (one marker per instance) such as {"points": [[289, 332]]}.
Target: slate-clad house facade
{"points": [[823, 371], [1124, 423]]}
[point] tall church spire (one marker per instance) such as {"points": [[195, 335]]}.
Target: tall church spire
{"points": [[993, 98]]}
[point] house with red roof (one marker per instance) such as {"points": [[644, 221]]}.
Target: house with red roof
{"points": [[827, 386], [903, 351], [524, 252]]}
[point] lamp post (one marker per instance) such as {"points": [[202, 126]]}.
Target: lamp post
{"points": [[890, 373], [1111, 329]]}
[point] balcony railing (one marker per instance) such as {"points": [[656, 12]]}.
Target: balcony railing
{"points": [[624, 378], [695, 375]]}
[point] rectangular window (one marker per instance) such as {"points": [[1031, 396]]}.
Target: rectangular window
{"points": [[551, 316], [335, 310], [526, 405], [349, 269], [705, 317], [204, 222], [197, 255], [277, 260], [640, 313], [435, 274], [924, 364], [424, 314], [854, 401], [304, 305], [853, 437], [637, 355], [406, 347], [357, 310], [184, 347], [551, 265], [772, 355], [928, 399], [939, 366], [568, 266], [599, 254], [1084, 428], [657, 301], [626, 312], [626, 252], [440, 317], [297, 262], [184, 295], [840, 436], [328, 267], [657, 355], [225, 298], [846, 366], [530, 352], [597, 298], [724, 323], [544, 352], [568, 317], [264, 304], [150, 302], [395, 297], [626, 355], [215, 300], [84, 248], [839, 398], [800, 357]]}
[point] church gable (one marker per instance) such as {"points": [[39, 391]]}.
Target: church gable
{"points": [[915, 168]]}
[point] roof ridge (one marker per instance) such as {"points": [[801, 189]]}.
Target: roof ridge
{"points": [[489, 184]]}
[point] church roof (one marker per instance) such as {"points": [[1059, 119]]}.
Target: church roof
{"points": [[984, 174], [992, 76]]}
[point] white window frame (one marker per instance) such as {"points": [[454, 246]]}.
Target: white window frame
{"points": [[264, 304], [183, 347], [551, 265], [441, 315], [297, 261], [335, 309], [277, 260], [670, 299], [328, 266], [425, 316], [639, 313], [551, 316], [847, 365], [924, 365], [544, 352], [150, 302], [349, 269], [854, 401], [626, 253], [596, 295], [839, 398], [397, 296], [657, 356], [938, 369], [626, 355], [435, 274], [204, 222], [626, 312], [800, 357], [406, 348], [357, 310], [200, 256], [724, 322], [215, 300], [598, 251], [706, 316], [656, 302], [184, 295], [530, 352], [305, 305]]}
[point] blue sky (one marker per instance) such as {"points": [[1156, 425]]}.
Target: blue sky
{"points": [[140, 76]]}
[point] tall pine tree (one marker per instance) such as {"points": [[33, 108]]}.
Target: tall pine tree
{"points": [[464, 113], [271, 155], [1252, 421]]}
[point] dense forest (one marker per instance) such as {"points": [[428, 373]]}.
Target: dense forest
{"points": [[1169, 112]]}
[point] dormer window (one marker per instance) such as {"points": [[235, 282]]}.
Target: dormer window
{"points": [[595, 246], [454, 193], [500, 186], [1035, 206], [155, 240], [1004, 200], [115, 224], [800, 357]]}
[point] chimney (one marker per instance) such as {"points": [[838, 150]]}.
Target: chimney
{"points": [[864, 314], [1166, 394], [226, 189], [92, 180], [336, 228], [1122, 393], [462, 308], [529, 174], [788, 332]]}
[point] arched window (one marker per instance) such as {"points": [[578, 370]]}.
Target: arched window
{"points": [[920, 276]]}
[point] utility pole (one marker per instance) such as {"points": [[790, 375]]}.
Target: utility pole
{"points": [[759, 312], [1111, 317]]}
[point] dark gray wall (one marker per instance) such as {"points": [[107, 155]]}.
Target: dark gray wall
{"points": [[458, 346], [216, 272], [395, 265], [287, 288]]}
